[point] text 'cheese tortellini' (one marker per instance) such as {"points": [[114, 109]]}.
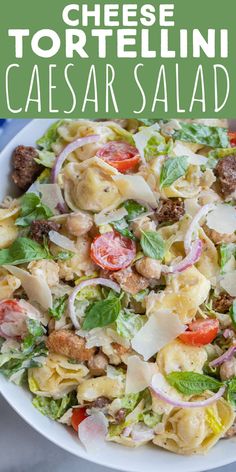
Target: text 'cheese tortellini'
{"points": [[56, 377], [195, 430], [183, 295]]}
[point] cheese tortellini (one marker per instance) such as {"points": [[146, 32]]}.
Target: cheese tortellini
{"points": [[183, 295], [177, 356], [195, 430], [103, 386], [56, 377], [89, 186]]}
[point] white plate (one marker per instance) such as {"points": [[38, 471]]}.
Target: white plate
{"points": [[148, 458]]}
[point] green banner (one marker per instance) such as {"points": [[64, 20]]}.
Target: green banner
{"points": [[119, 59]]}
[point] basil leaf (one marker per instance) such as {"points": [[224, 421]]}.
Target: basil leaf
{"points": [[54, 409], [152, 245], [134, 209], [212, 136], [231, 392], [232, 313], [102, 313], [122, 227], [191, 383], [50, 136], [226, 252], [172, 169], [32, 209], [59, 307], [21, 251]]}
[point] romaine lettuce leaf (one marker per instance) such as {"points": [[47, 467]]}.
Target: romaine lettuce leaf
{"points": [[211, 136], [129, 323], [50, 136], [20, 360], [54, 409]]}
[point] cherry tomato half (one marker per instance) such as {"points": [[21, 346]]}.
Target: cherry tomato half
{"points": [[78, 415], [12, 319], [112, 251], [120, 155], [200, 332], [232, 138]]}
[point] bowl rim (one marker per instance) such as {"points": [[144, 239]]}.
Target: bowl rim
{"points": [[207, 462]]}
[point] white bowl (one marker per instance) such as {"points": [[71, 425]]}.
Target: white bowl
{"points": [[112, 455]]}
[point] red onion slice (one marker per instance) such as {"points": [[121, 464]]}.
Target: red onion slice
{"points": [[80, 142], [157, 388], [224, 357], [83, 284], [194, 225], [192, 257]]}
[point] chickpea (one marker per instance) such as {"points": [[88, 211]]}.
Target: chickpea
{"points": [[149, 268], [79, 223], [97, 364], [228, 369]]}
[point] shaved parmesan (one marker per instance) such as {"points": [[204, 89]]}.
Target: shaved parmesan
{"points": [[62, 241], [104, 218], [139, 374], [35, 287], [222, 219], [228, 283], [136, 188], [161, 328], [92, 432], [195, 159], [141, 139], [51, 196]]}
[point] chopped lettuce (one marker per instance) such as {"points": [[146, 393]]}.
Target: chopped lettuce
{"points": [[129, 323], [17, 361], [150, 418], [50, 137], [151, 143], [59, 307], [130, 401], [46, 158], [220, 153], [54, 409], [226, 252], [157, 146], [35, 331], [211, 136]]}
